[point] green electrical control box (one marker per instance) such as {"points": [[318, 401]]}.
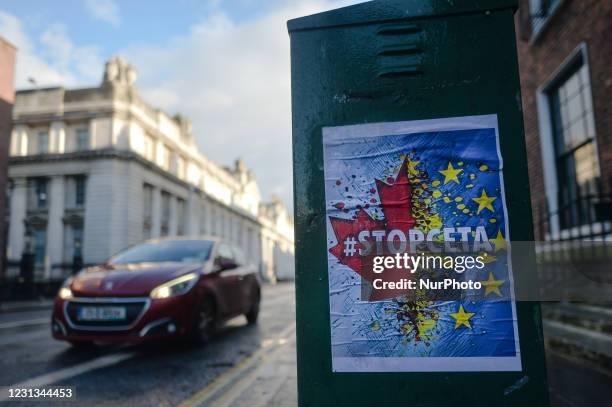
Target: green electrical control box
{"points": [[407, 129]]}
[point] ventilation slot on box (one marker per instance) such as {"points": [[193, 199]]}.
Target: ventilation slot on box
{"points": [[398, 29], [400, 50]]}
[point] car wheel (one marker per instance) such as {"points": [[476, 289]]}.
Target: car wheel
{"points": [[253, 313], [206, 321]]}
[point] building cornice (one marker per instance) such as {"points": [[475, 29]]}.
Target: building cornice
{"points": [[139, 111]]}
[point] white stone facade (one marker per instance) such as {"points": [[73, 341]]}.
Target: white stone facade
{"points": [[95, 170]]}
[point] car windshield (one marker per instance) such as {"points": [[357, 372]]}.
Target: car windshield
{"points": [[181, 251]]}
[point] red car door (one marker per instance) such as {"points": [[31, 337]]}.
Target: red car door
{"points": [[244, 281], [229, 280]]}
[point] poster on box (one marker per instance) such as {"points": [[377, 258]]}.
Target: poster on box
{"points": [[420, 274]]}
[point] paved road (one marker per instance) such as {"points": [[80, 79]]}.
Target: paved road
{"points": [[243, 366], [219, 373]]}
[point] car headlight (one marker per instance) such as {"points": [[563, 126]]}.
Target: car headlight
{"points": [[65, 292], [175, 287]]}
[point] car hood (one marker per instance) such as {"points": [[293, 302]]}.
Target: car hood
{"points": [[126, 279]]}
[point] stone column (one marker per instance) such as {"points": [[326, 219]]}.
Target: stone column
{"points": [[227, 225], [57, 137], [208, 222], [203, 217], [55, 224], [19, 197], [160, 150], [101, 132], [14, 143], [20, 144], [156, 213], [244, 235], [192, 214], [257, 246], [19, 140], [172, 226]]}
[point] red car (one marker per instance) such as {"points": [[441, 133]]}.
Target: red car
{"points": [[160, 289]]}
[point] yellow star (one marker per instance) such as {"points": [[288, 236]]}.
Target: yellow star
{"points": [[450, 174], [499, 242], [412, 167], [462, 317], [484, 202], [492, 285]]}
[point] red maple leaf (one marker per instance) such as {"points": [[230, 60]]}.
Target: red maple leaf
{"points": [[395, 203]]}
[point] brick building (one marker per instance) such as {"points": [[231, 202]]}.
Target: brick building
{"points": [[564, 60], [7, 96], [564, 54]]}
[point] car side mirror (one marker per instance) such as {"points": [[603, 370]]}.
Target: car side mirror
{"points": [[227, 264]]}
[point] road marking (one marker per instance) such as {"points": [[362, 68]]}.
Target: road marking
{"points": [[67, 373], [24, 338], [232, 376], [29, 322], [244, 383]]}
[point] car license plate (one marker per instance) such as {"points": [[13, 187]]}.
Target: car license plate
{"points": [[101, 313]]}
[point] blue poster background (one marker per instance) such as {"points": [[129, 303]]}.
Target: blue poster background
{"points": [[451, 169]]}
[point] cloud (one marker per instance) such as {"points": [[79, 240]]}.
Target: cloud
{"points": [[56, 45], [83, 62], [53, 60], [233, 80], [231, 77], [104, 10]]}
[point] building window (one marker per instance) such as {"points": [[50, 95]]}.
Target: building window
{"points": [[77, 241], [573, 128], [76, 187], [180, 216], [164, 157], [82, 140], [37, 193], [73, 242], [149, 148], [41, 193], [43, 142], [79, 191], [147, 210], [165, 214], [8, 193], [180, 167], [540, 12], [40, 246]]}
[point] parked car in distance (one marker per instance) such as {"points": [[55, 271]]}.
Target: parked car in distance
{"points": [[157, 290]]}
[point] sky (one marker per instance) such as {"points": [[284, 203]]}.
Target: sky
{"points": [[223, 63]]}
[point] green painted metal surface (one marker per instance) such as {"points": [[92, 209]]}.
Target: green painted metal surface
{"points": [[387, 61]]}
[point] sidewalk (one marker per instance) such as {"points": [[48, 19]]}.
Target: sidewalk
{"points": [[267, 378], [273, 383], [27, 305]]}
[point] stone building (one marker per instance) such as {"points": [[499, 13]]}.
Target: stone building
{"points": [[95, 170], [564, 61]]}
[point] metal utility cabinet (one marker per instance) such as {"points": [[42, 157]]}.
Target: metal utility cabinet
{"points": [[386, 61]]}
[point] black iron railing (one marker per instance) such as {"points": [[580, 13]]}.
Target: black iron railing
{"points": [[588, 216]]}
